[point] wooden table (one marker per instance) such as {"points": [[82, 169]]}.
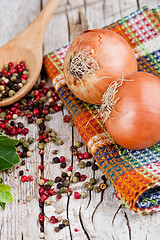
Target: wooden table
{"points": [[100, 216]]}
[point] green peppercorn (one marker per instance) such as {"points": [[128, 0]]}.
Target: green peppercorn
{"points": [[11, 93], [51, 110], [66, 183], [14, 74], [97, 189], [89, 187], [81, 164], [39, 121], [25, 72], [41, 145], [25, 144], [22, 139], [53, 134], [49, 130], [24, 101], [65, 222], [93, 181], [2, 114], [59, 141], [31, 140], [75, 179], [78, 144], [24, 82], [13, 79], [10, 170], [55, 152], [85, 184], [27, 112], [47, 118], [62, 190], [5, 67], [50, 182], [53, 139], [49, 93], [83, 194], [7, 125]]}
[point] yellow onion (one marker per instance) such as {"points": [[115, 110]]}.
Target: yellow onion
{"points": [[93, 60]]}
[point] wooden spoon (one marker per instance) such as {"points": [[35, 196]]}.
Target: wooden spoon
{"points": [[27, 46]]}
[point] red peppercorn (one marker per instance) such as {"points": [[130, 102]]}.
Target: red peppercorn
{"points": [[41, 218], [53, 219], [57, 108], [10, 64], [36, 93], [25, 76], [83, 178], [45, 90], [51, 192], [13, 70], [0, 110], [13, 132], [67, 119], [41, 191], [30, 178], [29, 115], [24, 178], [62, 159], [77, 195], [59, 196], [25, 131], [19, 153], [87, 155], [80, 156], [45, 111], [36, 111], [43, 197], [2, 125], [41, 167], [9, 116], [19, 130]]}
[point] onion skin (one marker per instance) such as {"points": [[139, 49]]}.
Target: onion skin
{"points": [[137, 123], [113, 55]]}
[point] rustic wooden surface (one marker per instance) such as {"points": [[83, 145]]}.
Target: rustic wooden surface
{"points": [[98, 216]]}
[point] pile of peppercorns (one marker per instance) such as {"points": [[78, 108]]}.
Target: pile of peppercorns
{"points": [[12, 79]]}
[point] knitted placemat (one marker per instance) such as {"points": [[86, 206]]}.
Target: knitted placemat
{"points": [[134, 174]]}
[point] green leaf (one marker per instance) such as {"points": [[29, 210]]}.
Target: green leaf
{"points": [[8, 154], [5, 194], [2, 205]]}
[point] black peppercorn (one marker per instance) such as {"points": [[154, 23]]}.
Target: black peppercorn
{"points": [[42, 126], [104, 178], [46, 187], [88, 163], [42, 228], [21, 173], [23, 162], [56, 160], [21, 125], [64, 175], [59, 185], [61, 226], [63, 165], [77, 174], [94, 167], [57, 179]]}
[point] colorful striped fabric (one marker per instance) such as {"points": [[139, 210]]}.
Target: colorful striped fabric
{"points": [[134, 174]]}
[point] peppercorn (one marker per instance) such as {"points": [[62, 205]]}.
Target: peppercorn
{"points": [[75, 179], [83, 194], [59, 141], [56, 160], [57, 179], [41, 145], [41, 182], [81, 164], [94, 167], [21, 140], [89, 187], [29, 154], [103, 178], [97, 189], [21, 172], [55, 152], [31, 140], [57, 229], [50, 182], [93, 181], [23, 162], [48, 202], [65, 222], [42, 228], [62, 190], [47, 118], [61, 226], [88, 163], [78, 144], [63, 165], [103, 186], [77, 174], [66, 183], [46, 187]]}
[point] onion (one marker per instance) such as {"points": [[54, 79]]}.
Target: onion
{"points": [[93, 60], [131, 110]]}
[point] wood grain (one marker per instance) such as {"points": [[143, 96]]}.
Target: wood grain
{"points": [[98, 216]]}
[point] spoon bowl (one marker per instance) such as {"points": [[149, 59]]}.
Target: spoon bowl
{"points": [[27, 47]]}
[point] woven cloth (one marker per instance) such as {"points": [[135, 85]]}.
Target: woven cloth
{"points": [[134, 174]]}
